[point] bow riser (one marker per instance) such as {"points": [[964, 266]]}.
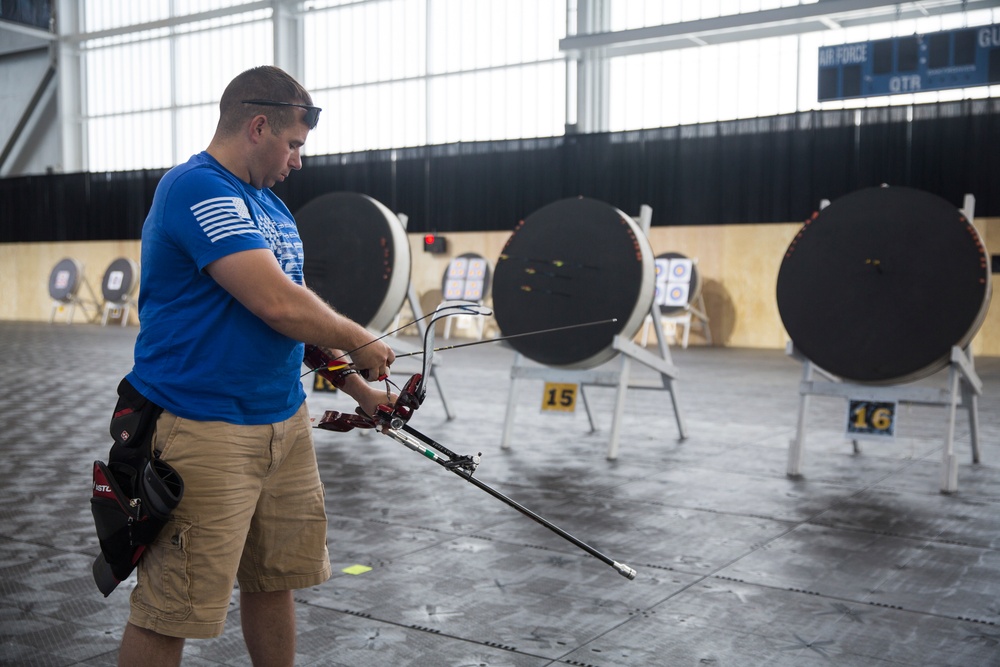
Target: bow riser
{"points": [[336, 371]]}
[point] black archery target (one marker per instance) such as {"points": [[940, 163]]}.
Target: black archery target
{"points": [[570, 262], [64, 280], [119, 280], [357, 257], [880, 285]]}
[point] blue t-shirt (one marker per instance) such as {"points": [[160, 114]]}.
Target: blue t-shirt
{"points": [[200, 353]]}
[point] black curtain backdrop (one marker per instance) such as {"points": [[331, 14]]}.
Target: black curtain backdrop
{"points": [[764, 170]]}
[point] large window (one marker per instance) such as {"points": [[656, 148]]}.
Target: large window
{"points": [[750, 78], [151, 97], [400, 73], [388, 73], [396, 73]]}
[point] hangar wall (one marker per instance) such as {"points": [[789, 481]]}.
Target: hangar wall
{"points": [[738, 263]]}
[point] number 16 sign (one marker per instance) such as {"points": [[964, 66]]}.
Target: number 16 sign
{"points": [[871, 419]]}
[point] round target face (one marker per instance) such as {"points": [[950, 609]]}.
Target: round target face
{"points": [[65, 278], [677, 296], [357, 256], [573, 261], [119, 280], [878, 286]]}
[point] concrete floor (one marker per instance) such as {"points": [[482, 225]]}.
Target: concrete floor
{"points": [[862, 561]]}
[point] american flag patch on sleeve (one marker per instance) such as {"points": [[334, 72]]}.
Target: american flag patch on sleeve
{"points": [[220, 217]]}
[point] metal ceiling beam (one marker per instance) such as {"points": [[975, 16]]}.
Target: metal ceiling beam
{"points": [[17, 38], [171, 22], [25, 29], [29, 113], [823, 15]]}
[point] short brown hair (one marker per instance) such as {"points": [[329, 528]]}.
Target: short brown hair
{"points": [[260, 83]]}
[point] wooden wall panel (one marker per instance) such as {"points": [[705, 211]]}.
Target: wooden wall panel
{"points": [[738, 264], [25, 269]]}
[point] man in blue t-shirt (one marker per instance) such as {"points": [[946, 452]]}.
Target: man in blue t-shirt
{"points": [[224, 313]]}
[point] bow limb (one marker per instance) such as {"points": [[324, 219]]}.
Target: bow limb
{"points": [[447, 309]]}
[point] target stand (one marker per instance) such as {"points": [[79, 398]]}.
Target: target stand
{"points": [[65, 281], [854, 292], [541, 275], [962, 391]]}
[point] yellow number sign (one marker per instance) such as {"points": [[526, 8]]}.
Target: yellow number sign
{"points": [[871, 418], [559, 396], [320, 383]]}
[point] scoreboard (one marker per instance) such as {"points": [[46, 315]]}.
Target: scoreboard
{"points": [[960, 58]]}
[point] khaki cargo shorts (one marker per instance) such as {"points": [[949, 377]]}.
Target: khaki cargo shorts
{"points": [[253, 510]]}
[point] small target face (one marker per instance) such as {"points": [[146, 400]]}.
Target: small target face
{"points": [[677, 294], [662, 269], [458, 268], [680, 270], [454, 290]]}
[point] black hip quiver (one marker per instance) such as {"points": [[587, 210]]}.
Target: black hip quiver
{"points": [[134, 493]]}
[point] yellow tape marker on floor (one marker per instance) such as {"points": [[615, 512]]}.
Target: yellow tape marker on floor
{"points": [[356, 569]]}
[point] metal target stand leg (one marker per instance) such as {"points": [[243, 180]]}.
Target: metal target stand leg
{"points": [[89, 307], [619, 407], [619, 378], [962, 390], [586, 406], [116, 310], [699, 313]]}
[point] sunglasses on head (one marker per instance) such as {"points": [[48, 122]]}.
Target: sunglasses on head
{"points": [[312, 113]]}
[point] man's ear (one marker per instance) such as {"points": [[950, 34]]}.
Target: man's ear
{"points": [[256, 127]]}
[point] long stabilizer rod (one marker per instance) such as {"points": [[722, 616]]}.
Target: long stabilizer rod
{"points": [[621, 568]]}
